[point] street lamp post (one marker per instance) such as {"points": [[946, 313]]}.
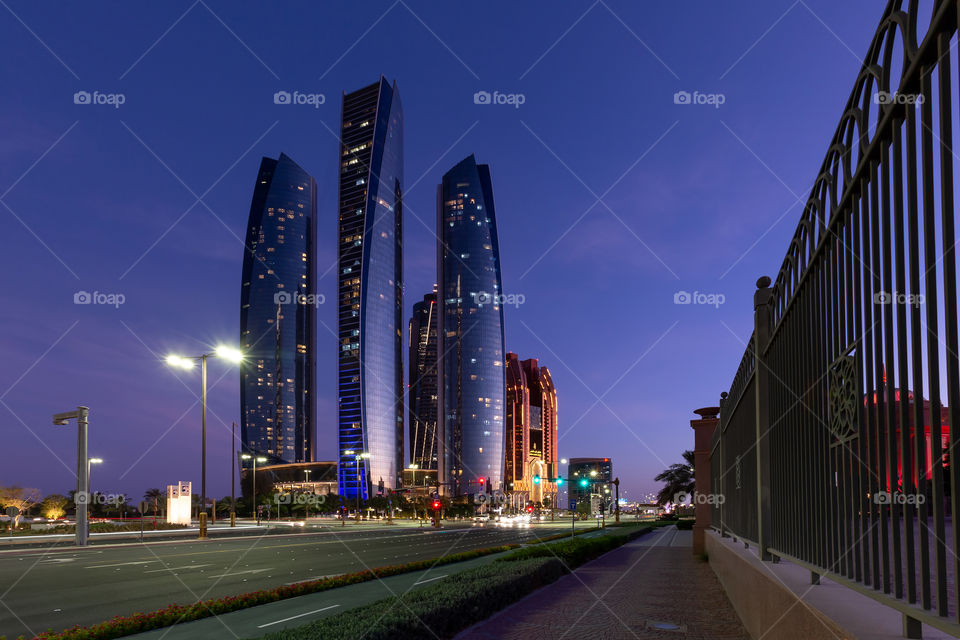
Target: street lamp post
{"points": [[91, 461], [306, 507], [227, 353], [256, 459], [82, 494], [233, 475]]}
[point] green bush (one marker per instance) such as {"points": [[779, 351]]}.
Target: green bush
{"points": [[440, 610], [575, 551], [685, 524]]}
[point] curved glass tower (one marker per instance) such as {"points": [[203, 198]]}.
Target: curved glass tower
{"points": [[370, 294], [278, 315], [470, 348]]}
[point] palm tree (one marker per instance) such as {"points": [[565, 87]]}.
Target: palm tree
{"points": [[153, 496], [678, 478]]}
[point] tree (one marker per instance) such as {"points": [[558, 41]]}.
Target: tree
{"points": [[21, 498], [678, 478], [584, 508], [54, 506], [155, 498]]}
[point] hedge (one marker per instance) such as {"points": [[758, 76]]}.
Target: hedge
{"points": [[176, 613], [440, 610], [576, 551]]}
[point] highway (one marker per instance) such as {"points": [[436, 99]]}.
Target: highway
{"points": [[56, 588]]}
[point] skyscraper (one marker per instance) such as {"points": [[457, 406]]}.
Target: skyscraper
{"points": [[423, 383], [531, 433], [470, 349], [369, 290], [278, 315]]}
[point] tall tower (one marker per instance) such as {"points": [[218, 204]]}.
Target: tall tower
{"points": [[531, 446], [423, 383], [470, 348], [370, 290], [278, 316]]}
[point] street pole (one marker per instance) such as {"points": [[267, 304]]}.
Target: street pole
{"points": [[616, 486], [358, 488], [83, 477], [203, 447], [233, 474], [256, 512]]}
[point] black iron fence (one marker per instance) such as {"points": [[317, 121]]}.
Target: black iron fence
{"points": [[836, 438]]}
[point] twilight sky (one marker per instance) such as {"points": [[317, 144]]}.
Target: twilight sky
{"points": [[610, 197]]}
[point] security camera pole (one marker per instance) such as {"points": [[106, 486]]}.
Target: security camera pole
{"points": [[82, 495]]}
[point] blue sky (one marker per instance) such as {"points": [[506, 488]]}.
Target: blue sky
{"points": [[610, 196]]}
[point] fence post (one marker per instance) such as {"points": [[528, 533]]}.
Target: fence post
{"points": [[702, 439], [762, 329]]}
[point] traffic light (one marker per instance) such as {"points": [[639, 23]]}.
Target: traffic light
{"points": [[436, 505], [536, 479], [529, 508], [584, 482], [481, 481], [559, 481]]}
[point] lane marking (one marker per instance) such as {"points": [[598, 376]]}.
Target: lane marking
{"points": [[429, 580], [240, 573], [261, 626], [120, 564], [331, 575], [186, 566]]}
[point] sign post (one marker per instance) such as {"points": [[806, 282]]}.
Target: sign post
{"points": [[13, 512]]}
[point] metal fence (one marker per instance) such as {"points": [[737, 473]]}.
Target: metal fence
{"points": [[835, 439]]}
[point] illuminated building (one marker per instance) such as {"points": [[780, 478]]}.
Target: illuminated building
{"points": [[370, 290], [423, 384], [278, 316], [471, 386], [531, 431]]}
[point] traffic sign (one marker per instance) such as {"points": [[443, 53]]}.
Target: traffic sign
{"points": [[13, 512]]}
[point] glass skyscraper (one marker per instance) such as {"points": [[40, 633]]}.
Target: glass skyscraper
{"points": [[370, 290], [471, 345], [423, 383], [278, 316]]}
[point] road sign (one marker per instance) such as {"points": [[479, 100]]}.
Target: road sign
{"points": [[13, 512], [143, 506]]}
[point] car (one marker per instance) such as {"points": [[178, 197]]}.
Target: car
{"points": [[481, 517]]}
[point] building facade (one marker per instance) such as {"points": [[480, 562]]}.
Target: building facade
{"points": [[588, 476], [530, 465], [370, 290], [422, 401], [471, 346], [278, 316]]}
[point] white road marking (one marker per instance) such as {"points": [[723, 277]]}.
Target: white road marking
{"points": [[261, 626], [331, 575], [429, 580], [186, 566], [240, 573], [120, 564]]}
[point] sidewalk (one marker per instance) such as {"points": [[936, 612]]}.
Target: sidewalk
{"points": [[650, 588]]}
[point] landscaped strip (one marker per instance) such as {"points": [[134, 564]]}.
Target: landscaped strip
{"points": [[463, 599], [176, 613]]}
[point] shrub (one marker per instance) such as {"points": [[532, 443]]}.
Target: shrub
{"points": [[576, 551], [440, 610], [685, 524]]}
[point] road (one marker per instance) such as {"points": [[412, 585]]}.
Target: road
{"points": [[56, 588]]}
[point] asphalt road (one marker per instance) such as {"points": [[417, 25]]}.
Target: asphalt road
{"points": [[56, 588]]}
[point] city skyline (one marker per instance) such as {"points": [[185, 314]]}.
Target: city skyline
{"points": [[179, 136]]}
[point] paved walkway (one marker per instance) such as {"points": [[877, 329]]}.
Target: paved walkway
{"points": [[650, 588]]}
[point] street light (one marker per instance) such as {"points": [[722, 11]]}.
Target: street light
{"points": [[231, 355], [256, 459], [82, 494], [91, 461], [357, 456]]}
